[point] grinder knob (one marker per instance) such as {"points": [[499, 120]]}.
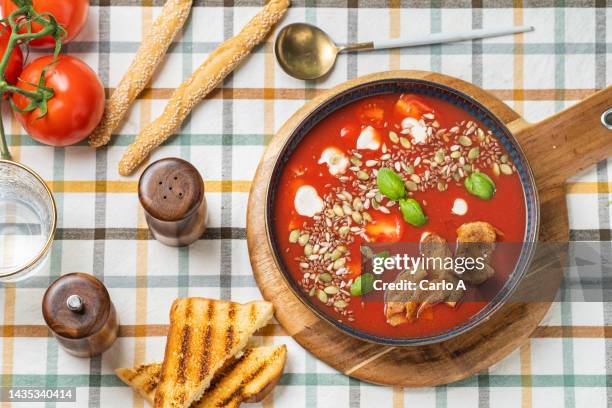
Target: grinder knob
{"points": [[78, 310]]}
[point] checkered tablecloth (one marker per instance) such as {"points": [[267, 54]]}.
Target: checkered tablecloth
{"points": [[567, 362]]}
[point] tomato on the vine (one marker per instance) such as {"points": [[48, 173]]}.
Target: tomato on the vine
{"points": [[75, 108], [70, 14], [15, 62]]}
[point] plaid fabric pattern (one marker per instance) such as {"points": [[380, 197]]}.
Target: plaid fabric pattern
{"points": [[567, 362]]}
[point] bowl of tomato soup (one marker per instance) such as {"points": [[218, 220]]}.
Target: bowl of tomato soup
{"points": [[396, 165]]}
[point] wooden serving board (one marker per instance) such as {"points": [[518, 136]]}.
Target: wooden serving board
{"points": [[556, 148]]}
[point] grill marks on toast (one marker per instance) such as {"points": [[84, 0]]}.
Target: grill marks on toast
{"points": [[229, 335], [186, 338], [203, 335], [242, 379], [143, 379], [207, 345]]}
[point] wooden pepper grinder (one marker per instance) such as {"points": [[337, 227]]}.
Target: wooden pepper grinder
{"points": [[171, 191], [79, 312]]}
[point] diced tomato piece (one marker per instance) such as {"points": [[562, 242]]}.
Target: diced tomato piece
{"points": [[386, 228], [411, 106], [427, 314], [372, 112]]}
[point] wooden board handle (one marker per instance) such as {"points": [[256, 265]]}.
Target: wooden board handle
{"points": [[568, 142]]}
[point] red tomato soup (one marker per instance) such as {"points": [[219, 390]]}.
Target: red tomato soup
{"points": [[452, 177]]}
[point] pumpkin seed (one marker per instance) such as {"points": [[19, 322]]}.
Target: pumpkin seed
{"points": [[339, 263], [338, 210], [342, 248], [343, 230], [335, 254], [408, 168], [312, 291], [331, 290], [340, 304], [439, 156], [347, 209], [504, 158], [411, 185], [303, 239], [294, 236], [307, 249], [366, 216], [496, 169], [415, 178], [441, 186], [322, 296], [356, 161], [455, 154], [357, 217], [505, 168], [362, 175], [464, 140], [405, 142], [394, 137], [480, 134], [357, 204], [473, 153], [325, 277]]}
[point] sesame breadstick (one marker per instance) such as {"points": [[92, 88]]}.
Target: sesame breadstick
{"points": [[149, 56], [204, 79]]}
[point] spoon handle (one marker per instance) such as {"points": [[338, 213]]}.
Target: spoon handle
{"points": [[439, 38]]}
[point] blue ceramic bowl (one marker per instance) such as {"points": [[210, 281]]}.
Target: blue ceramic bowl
{"points": [[474, 108]]}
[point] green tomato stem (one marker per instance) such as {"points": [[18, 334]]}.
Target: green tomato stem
{"points": [[50, 27]]}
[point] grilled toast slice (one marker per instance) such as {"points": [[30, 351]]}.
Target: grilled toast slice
{"points": [[249, 378], [203, 335]]}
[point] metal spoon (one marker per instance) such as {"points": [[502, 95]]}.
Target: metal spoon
{"points": [[307, 52]]}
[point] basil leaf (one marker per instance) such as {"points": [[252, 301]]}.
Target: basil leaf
{"points": [[480, 185], [362, 285], [390, 184], [383, 255], [412, 212]]}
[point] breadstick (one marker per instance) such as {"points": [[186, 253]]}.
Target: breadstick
{"points": [[149, 56], [204, 79]]}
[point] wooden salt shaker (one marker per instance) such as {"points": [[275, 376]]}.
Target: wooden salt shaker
{"points": [[171, 191], [81, 315]]}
